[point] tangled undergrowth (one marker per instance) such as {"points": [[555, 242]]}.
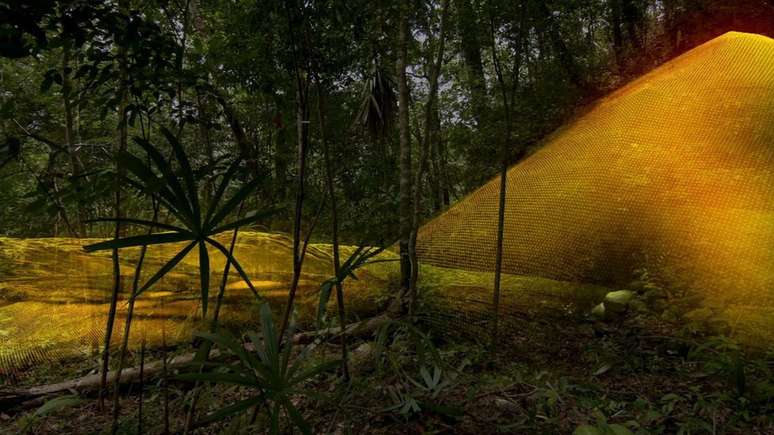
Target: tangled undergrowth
{"points": [[645, 368]]}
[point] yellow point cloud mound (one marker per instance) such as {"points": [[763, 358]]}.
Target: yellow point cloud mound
{"points": [[54, 296], [673, 174]]}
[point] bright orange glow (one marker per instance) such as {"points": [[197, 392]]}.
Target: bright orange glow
{"points": [[673, 174]]}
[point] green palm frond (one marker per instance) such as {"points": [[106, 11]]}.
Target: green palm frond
{"points": [[378, 103], [267, 369], [361, 257], [179, 195]]}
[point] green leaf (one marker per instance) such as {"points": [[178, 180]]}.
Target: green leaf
{"points": [[182, 200], [314, 371], [287, 349], [236, 265], [269, 335], [621, 297], [204, 275], [185, 168], [275, 415], [262, 365], [219, 378], [617, 429], [381, 342], [166, 268], [245, 221], [57, 404], [426, 377], [142, 222], [325, 295], [50, 406], [296, 417], [586, 430], [224, 182], [231, 204], [449, 411], [155, 185], [147, 239], [259, 348], [233, 409], [227, 341], [599, 310]]}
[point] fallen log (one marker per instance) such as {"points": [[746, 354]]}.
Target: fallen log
{"points": [[15, 396], [352, 330], [10, 397]]}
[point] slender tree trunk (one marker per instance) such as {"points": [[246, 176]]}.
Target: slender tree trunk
{"points": [[435, 63], [563, 53], [302, 120], [445, 187], [615, 24], [436, 177], [468, 26], [53, 197], [633, 13], [334, 229], [405, 148], [206, 141], [142, 386], [164, 379], [243, 143], [121, 146], [128, 325], [302, 132], [75, 164], [671, 28], [507, 99], [179, 62]]}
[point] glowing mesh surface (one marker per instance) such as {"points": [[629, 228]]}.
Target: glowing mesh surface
{"points": [[54, 296], [672, 173]]}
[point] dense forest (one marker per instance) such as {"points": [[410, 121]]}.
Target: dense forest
{"points": [[344, 126], [263, 80]]}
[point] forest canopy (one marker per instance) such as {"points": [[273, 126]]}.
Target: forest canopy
{"points": [[224, 75]]}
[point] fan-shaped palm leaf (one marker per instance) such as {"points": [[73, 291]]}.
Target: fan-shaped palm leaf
{"points": [[268, 370], [181, 199]]}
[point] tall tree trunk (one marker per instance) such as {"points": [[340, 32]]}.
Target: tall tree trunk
{"points": [[280, 162], [616, 29], [443, 160], [206, 141], [436, 176], [405, 148], [75, 163], [633, 14], [302, 121], [142, 386], [507, 97], [179, 62], [468, 25], [53, 197], [243, 144], [563, 53], [334, 229], [123, 6], [671, 28], [435, 61], [128, 324], [302, 132]]}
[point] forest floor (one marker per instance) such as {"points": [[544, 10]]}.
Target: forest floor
{"points": [[641, 370]]}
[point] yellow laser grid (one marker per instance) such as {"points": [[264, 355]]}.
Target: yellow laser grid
{"points": [[673, 174]]}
